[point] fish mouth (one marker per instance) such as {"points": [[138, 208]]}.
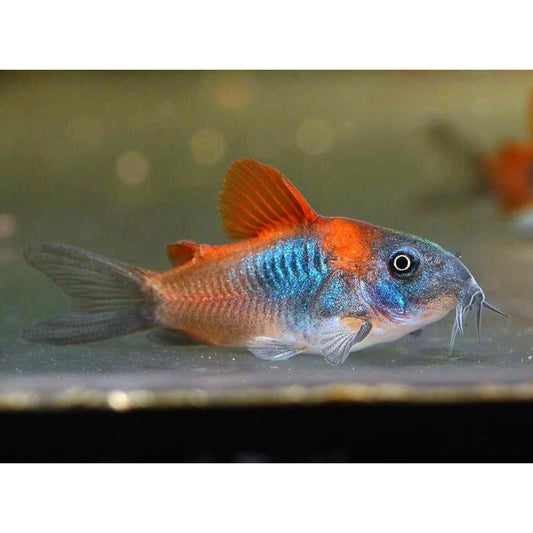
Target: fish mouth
{"points": [[474, 299]]}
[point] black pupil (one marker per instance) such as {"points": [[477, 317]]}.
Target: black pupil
{"points": [[402, 263]]}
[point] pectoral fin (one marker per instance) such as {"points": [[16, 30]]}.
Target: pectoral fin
{"points": [[272, 349], [337, 343]]}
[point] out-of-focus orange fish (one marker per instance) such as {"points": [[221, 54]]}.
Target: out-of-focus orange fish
{"points": [[509, 173], [297, 282], [510, 176]]}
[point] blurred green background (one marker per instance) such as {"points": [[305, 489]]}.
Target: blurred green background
{"points": [[124, 162], [127, 161]]}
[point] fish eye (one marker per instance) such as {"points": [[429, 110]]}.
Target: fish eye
{"points": [[404, 263]]}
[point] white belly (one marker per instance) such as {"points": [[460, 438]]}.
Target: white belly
{"points": [[378, 334]]}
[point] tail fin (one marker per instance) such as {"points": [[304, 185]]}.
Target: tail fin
{"points": [[109, 298]]}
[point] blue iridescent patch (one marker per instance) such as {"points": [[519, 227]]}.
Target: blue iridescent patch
{"points": [[290, 271], [390, 295]]}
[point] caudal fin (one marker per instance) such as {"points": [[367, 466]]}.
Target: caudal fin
{"points": [[109, 298]]}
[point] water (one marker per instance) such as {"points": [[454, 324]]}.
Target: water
{"points": [[122, 163]]}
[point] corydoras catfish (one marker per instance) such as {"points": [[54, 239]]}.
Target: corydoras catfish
{"points": [[295, 282]]}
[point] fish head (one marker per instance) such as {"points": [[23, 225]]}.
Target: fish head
{"points": [[412, 282]]}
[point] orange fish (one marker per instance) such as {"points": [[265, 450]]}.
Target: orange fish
{"points": [[510, 176], [509, 173], [297, 282]]}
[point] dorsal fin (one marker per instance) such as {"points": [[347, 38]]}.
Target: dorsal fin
{"points": [[182, 252], [256, 198]]}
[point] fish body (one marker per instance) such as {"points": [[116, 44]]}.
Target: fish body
{"points": [[297, 282], [291, 286]]}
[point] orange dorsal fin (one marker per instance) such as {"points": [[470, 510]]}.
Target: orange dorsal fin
{"points": [[256, 198], [182, 252]]}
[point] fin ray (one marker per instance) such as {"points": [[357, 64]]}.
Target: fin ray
{"points": [[256, 198], [337, 343], [109, 297], [271, 349]]}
